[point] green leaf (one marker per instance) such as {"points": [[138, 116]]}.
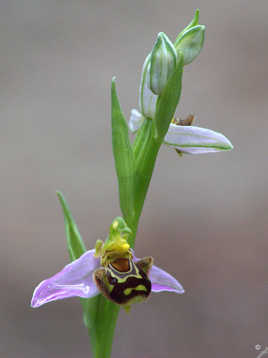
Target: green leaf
{"points": [[168, 100], [75, 244], [99, 314], [191, 43], [123, 157]]}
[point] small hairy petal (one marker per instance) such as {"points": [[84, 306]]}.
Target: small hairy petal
{"points": [[135, 121], [162, 280], [196, 140], [75, 279]]}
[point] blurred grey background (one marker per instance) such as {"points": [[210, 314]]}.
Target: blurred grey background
{"points": [[206, 217]]}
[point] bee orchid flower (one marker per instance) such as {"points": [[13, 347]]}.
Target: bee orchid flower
{"points": [[186, 138], [111, 269]]}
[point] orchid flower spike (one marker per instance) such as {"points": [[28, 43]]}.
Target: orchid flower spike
{"points": [[111, 269], [186, 138]]}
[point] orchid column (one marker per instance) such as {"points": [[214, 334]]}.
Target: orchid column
{"points": [[111, 276]]}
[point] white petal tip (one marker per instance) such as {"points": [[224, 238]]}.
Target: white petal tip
{"points": [[196, 140], [181, 291]]}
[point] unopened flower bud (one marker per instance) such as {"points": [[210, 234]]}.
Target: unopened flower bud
{"points": [[190, 43], [163, 63]]}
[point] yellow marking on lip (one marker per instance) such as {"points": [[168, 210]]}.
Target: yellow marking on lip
{"points": [[128, 291]]}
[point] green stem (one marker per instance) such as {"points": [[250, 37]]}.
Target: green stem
{"points": [[146, 153], [145, 148], [134, 167], [103, 313], [101, 331]]}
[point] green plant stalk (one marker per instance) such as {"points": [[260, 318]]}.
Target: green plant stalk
{"points": [[145, 151], [134, 172], [134, 167], [134, 164], [102, 315], [150, 138]]}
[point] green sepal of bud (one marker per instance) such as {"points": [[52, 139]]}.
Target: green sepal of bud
{"points": [[194, 22], [119, 227], [191, 43], [167, 102], [163, 63]]}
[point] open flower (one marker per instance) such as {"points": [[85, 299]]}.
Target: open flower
{"points": [[185, 138], [77, 279], [117, 273]]}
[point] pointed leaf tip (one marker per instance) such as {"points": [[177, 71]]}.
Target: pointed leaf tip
{"points": [[75, 244], [113, 80], [196, 16]]}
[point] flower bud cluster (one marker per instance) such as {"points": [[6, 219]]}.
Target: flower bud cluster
{"points": [[161, 63]]}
